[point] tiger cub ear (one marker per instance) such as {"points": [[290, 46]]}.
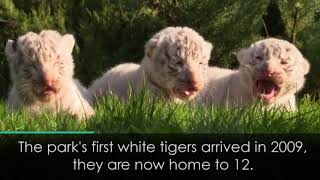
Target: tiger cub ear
{"points": [[10, 49], [67, 43]]}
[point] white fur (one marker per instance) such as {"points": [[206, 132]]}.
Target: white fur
{"points": [[237, 87], [166, 47], [44, 47], [117, 80]]}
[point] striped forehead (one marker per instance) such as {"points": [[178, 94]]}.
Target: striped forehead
{"points": [[186, 50], [38, 50], [269, 49]]}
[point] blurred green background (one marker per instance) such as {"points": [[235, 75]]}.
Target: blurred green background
{"points": [[110, 32]]}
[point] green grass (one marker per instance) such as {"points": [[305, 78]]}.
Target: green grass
{"points": [[142, 114]]}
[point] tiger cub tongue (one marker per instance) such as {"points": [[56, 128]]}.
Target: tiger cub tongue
{"points": [[266, 89]]}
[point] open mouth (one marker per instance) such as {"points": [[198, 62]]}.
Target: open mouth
{"points": [[49, 91], [267, 89], [188, 92]]}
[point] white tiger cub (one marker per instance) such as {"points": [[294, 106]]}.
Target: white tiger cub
{"points": [[271, 70], [41, 69], [174, 67]]}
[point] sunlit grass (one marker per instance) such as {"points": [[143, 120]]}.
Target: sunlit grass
{"points": [[143, 114]]}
